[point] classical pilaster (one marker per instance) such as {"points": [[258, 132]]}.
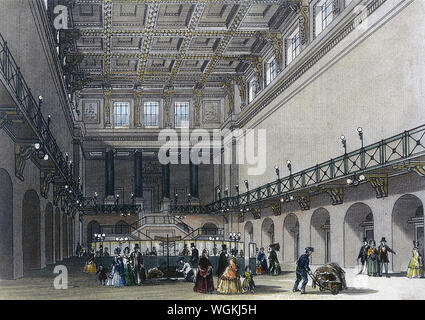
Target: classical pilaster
{"points": [[109, 177]]}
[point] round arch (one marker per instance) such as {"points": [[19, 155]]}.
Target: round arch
{"points": [[407, 226], [291, 230], [31, 235], [6, 226], [122, 227], [358, 224], [92, 228], [267, 233], [48, 233], [320, 236]]}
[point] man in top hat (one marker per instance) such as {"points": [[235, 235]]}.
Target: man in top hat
{"points": [[137, 264], [363, 254], [194, 260], [383, 250], [222, 261], [302, 270]]}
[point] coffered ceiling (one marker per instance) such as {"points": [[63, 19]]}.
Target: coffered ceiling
{"points": [[181, 44]]}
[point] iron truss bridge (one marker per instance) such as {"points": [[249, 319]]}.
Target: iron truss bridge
{"points": [[402, 153]]}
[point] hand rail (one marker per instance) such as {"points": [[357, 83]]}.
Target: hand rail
{"points": [[400, 147], [29, 108]]}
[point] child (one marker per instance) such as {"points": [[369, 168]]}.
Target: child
{"points": [[248, 282], [102, 274]]}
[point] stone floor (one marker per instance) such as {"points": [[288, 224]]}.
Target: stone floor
{"points": [[39, 285]]}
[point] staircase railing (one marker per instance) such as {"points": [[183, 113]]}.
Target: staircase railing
{"points": [[164, 219]]}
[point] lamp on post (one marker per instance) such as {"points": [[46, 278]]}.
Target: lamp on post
{"points": [[344, 143], [360, 132], [288, 164], [226, 192], [237, 189], [234, 237], [276, 169], [246, 185], [214, 239], [40, 101]]}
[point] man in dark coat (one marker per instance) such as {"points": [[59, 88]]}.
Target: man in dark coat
{"points": [[222, 261], [273, 262], [137, 264], [363, 254], [194, 260], [302, 269], [383, 250]]}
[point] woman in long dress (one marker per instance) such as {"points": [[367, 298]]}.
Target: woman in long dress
{"points": [[230, 282], [90, 266], [372, 259], [415, 268], [204, 280], [129, 277], [116, 277], [263, 261]]}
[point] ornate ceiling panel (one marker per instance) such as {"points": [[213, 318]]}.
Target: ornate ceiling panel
{"points": [[171, 43]]}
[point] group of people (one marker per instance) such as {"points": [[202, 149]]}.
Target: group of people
{"points": [[229, 279], [273, 267], [375, 259], [126, 269]]}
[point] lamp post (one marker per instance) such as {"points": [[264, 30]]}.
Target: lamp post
{"points": [[344, 143], [289, 165], [360, 132], [246, 185], [276, 169], [214, 239], [234, 237], [100, 237]]}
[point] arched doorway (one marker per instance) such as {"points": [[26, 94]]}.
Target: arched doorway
{"points": [[209, 229], [6, 226], [48, 233], [320, 236], [122, 227], [31, 237], [64, 236], [92, 228], [57, 235], [358, 224], [291, 229], [408, 226], [267, 233]]}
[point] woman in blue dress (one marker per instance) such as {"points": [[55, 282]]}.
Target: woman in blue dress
{"points": [[263, 261], [116, 277]]}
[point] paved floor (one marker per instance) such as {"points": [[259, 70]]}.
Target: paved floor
{"points": [[39, 285]]}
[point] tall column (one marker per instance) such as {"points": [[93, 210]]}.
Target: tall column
{"points": [[109, 177], [194, 182], [165, 202]]}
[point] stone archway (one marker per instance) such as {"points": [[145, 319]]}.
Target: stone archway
{"points": [[31, 235], [267, 233], [248, 238], [92, 228], [6, 226], [291, 231], [320, 236], [57, 235], [358, 223], [48, 233], [407, 226]]}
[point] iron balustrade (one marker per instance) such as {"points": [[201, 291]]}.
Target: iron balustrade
{"points": [[30, 110], [401, 147]]}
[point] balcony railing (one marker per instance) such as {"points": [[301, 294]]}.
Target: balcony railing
{"points": [[13, 80], [401, 147]]}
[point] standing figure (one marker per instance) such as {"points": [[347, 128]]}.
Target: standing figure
{"points": [[204, 280], [302, 270], [194, 260], [78, 250], [274, 262], [129, 277], [372, 259], [415, 268], [263, 261], [230, 282], [248, 282], [185, 252], [102, 273], [363, 254], [222, 262], [90, 267], [137, 265], [383, 250], [116, 278]]}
